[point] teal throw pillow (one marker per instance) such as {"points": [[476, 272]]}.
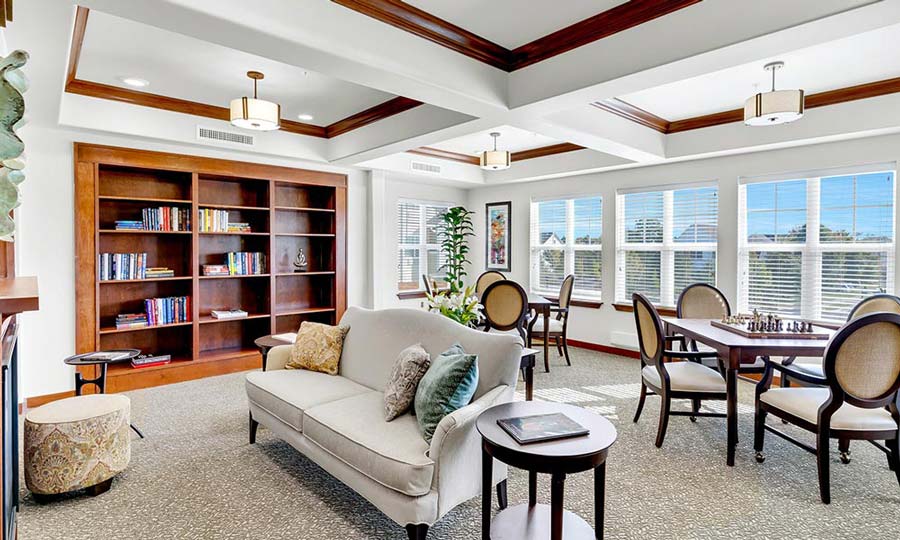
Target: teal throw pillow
{"points": [[448, 385]]}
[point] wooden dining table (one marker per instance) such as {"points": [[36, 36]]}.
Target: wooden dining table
{"points": [[542, 306], [735, 350]]}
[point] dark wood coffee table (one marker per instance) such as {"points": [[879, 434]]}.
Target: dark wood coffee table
{"points": [[557, 458]]}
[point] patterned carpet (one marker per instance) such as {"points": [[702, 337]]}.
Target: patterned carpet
{"points": [[196, 477]]}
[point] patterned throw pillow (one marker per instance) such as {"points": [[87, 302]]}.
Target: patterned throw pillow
{"points": [[448, 385], [318, 347], [410, 367]]}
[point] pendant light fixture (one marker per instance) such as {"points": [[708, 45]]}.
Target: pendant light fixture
{"points": [[253, 113], [495, 160], [774, 107]]}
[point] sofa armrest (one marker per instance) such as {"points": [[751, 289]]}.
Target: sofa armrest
{"points": [[278, 356], [456, 451]]}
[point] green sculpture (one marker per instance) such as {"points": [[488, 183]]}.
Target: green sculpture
{"points": [[13, 84]]}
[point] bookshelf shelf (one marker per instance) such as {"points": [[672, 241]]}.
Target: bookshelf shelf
{"points": [[114, 330], [145, 280], [286, 209]]}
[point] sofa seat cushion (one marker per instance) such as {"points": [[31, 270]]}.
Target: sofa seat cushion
{"points": [[391, 453], [286, 394]]}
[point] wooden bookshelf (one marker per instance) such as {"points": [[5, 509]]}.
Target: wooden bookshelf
{"points": [[287, 209]]}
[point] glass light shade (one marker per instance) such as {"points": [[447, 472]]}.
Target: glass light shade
{"points": [[256, 114], [495, 160], [771, 108]]}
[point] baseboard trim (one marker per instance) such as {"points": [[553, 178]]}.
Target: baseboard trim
{"points": [[37, 401], [603, 348]]}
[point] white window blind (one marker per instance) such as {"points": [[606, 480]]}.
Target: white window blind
{"points": [[565, 239], [418, 245], [666, 240], [813, 247]]}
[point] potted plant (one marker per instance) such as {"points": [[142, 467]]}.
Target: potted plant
{"points": [[457, 301]]}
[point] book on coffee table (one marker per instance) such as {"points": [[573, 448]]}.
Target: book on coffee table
{"points": [[541, 428]]}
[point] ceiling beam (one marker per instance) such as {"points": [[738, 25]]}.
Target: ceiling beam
{"points": [[445, 154], [635, 114]]}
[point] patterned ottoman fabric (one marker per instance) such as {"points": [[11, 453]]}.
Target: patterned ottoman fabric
{"points": [[76, 442]]}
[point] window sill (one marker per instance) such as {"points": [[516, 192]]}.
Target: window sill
{"points": [[408, 295], [664, 311], [591, 304]]}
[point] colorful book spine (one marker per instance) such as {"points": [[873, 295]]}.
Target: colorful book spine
{"points": [[212, 220], [170, 310], [243, 263], [165, 218], [122, 266]]}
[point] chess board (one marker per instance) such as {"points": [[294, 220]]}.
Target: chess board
{"points": [[741, 330]]}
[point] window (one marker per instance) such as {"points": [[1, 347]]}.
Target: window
{"points": [[565, 239], [813, 247], [666, 240], [418, 245]]}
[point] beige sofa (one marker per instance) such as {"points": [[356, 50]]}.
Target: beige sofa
{"points": [[338, 421]]}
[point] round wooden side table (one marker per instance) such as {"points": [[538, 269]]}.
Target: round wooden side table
{"points": [[557, 458], [265, 344]]}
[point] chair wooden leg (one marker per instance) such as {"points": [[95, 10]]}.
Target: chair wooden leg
{"points": [[844, 448], [824, 466], [663, 420], [502, 498], [640, 407], [695, 408], [558, 345], [253, 427], [894, 458], [417, 531], [565, 344], [759, 434]]}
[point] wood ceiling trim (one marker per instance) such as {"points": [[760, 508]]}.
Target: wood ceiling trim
{"points": [[605, 24], [635, 114], [74, 85], [421, 23], [445, 154], [381, 111], [551, 150], [521, 155]]}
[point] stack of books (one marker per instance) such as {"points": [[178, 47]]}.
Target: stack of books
{"points": [[149, 360], [129, 225], [228, 313], [239, 226], [243, 263], [167, 218], [212, 220], [159, 272], [174, 309], [131, 320], [215, 270], [122, 266]]}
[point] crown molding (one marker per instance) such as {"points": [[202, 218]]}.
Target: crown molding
{"points": [[411, 19], [551, 150], [381, 111], [81, 18], [445, 154], [635, 114]]}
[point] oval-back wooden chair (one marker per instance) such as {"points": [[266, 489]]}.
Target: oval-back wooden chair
{"points": [[485, 279], [860, 399], [505, 307], [559, 324]]}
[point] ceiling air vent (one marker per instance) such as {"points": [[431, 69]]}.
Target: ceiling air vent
{"points": [[429, 168], [218, 136]]}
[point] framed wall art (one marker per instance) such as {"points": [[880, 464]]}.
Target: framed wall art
{"points": [[499, 235]]}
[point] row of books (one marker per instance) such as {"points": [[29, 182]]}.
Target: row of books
{"points": [[245, 263], [163, 218], [170, 310], [212, 220], [119, 266], [131, 320]]}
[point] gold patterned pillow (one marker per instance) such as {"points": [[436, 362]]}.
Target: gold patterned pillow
{"points": [[318, 347]]}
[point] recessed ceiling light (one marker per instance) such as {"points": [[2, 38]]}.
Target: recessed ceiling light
{"points": [[135, 82], [305, 117]]}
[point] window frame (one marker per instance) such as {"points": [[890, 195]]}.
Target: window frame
{"points": [[421, 246], [813, 249], [568, 249], [667, 248]]}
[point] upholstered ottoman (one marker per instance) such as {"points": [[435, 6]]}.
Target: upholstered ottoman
{"points": [[78, 442]]}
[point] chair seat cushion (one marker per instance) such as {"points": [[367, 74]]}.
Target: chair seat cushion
{"points": [[555, 326], [286, 394], [812, 369], [353, 429], [805, 402], [687, 377]]}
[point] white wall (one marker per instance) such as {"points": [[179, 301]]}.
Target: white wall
{"points": [[386, 191], [45, 245], [607, 326]]}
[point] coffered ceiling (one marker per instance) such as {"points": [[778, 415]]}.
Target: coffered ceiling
{"points": [[511, 138]]}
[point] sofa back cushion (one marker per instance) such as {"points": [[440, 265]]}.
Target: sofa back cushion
{"points": [[376, 337]]}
